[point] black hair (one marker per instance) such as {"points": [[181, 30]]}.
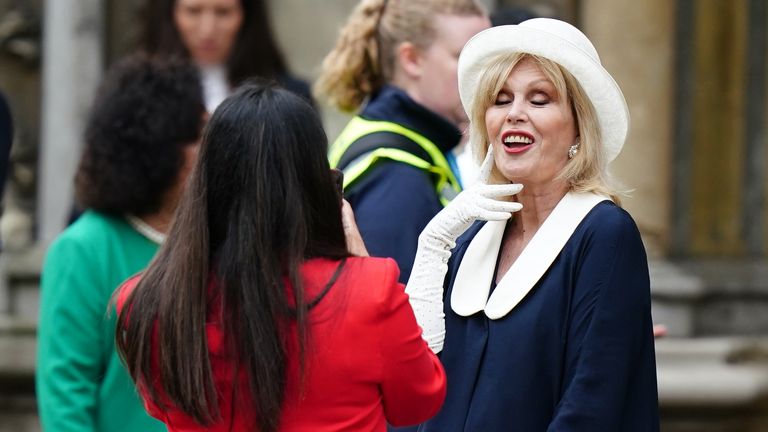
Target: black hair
{"points": [[261, 200], [146, 110], [254, 54]]}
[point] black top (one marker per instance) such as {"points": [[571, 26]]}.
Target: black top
{"points": [[297, 86]]}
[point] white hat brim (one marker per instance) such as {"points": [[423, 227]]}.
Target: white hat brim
{"points": [[598, 84]]}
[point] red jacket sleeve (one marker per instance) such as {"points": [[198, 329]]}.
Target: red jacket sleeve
{"points": [[413, 381]]}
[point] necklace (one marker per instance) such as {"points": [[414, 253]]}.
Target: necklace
{"points": [[144, 229]]}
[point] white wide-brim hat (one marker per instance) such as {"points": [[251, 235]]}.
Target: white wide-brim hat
{"points": [[563, 44]]}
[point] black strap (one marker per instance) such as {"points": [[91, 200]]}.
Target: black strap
{"points": [[328, 286], [314, 302], [383, 139]]}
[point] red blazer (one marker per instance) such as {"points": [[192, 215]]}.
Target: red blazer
{"points": [[366, 363]]}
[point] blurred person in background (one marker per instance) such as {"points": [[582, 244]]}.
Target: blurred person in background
{"points": [[229, 41], [6, 139], [254, 316], [394, 66], [141, 140]]}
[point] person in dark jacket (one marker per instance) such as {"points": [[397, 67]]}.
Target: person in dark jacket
{"points": [[140, 144], [394, 65], [6, 139]]}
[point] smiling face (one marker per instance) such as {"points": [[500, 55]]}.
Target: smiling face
{"points": [[208, 28], [531, 127]]}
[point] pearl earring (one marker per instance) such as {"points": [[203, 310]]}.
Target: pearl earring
{"points": [[574, 149]]}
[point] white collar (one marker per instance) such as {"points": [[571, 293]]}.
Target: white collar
{"points": [[144, 229], [475, 273], [215, 85]]}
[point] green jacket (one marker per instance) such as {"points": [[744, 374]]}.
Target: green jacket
{"points": [[81, 383]]}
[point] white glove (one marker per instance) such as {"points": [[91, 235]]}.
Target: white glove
{"points": [[425, 285]]}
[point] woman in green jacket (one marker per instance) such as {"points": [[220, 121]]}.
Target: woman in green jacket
{"points": [[140, 142]]}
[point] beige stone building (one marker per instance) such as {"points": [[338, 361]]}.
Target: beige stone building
{"points": [[693, 72]]}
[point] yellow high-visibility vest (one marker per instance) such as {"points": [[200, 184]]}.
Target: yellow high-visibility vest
{"points": [[433, 160]]}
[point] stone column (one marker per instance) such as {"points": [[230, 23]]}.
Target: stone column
{"points": [[72, 67], [305, 54], [635, 40]]}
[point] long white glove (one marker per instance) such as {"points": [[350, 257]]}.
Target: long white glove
{"points": [[425, 285]]}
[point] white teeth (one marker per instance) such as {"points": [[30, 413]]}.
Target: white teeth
{"points": [[517, 139]]}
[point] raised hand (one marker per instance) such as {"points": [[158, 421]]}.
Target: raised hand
{"points": [[482, 201], [355, 244]]}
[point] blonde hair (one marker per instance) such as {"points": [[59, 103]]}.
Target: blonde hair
{"points": [[587, 171], [364, 57]]}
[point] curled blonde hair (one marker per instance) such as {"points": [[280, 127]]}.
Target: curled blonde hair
{"points": [[587, 171], [364, 57]]}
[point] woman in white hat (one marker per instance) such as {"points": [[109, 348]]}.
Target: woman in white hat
{"points": [[547, 322]]}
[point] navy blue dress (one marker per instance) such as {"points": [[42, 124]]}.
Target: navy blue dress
{"points": [[576, 354]]}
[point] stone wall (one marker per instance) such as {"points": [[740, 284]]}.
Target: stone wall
{"points": [[635, 40], [638, 41], [20, 54]]}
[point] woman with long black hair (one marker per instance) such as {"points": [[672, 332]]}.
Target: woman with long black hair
{"points": [[254, 316], [229, 40]]}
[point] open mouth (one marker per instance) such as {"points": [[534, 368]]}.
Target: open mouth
{"points": [[517, 141]]}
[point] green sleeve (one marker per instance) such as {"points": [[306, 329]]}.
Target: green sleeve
{"points": [[70, 361]]}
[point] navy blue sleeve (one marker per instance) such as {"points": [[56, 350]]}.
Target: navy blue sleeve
{"points": [[297, 86], [609, 381], [6, 138], [392, 205]]}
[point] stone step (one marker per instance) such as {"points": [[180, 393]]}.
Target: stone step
{"points": [[17, 356], [713, 384], [18, 414], [706, 298], [20, 281]]}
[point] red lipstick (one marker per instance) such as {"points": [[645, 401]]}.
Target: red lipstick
{"points": [[517, 141]]}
